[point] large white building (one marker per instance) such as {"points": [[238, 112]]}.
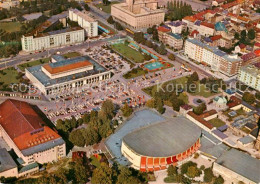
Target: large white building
{"points": [[23, 131], [40, 41], [212, 56], [85, 21], [250, 75], [66, 74]]}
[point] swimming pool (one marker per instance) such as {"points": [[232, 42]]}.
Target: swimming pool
{"points": [[153, 66], [144, 50]]}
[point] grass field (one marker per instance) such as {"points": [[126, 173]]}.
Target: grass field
{"points": [[128, 52], [71, 55], [181, 82], [7, 77], [217, 122], [107, 8], [33, 63], [10, 26], [136, 72]]}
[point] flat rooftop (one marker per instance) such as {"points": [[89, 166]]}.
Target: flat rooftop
{"points": [[168, 138], [140, 119], [67, 65], [6, 161], [241, 163], [37, 72]]}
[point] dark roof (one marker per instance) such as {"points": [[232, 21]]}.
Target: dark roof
{"points": [[241, 163], [186, 107], [219, 134], [6, 161], [201, 120], [223, 128], [164, 139]]}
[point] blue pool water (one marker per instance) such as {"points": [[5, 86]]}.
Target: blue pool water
{"points": [[103, 29], [153, 66]]}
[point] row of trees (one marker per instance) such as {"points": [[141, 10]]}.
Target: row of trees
{"points": [[117, 25], [139, 38], [177, 10]]}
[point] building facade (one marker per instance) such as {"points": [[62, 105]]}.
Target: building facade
{"points": [[250, 75], [212, 56], [66, 74], [35, 42], [32, 140], [174, 40], [138, 14], [85, 21]]}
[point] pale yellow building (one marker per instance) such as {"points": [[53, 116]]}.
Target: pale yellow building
{"points": [[138, 14]]}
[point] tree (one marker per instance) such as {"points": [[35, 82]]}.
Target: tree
{"points": [[243, 34], [194, 76], [208, 175], [171, 57], [257, 95], [86, 7], [150, 30], [126, 110], [77, 138], [102, 174], [126, 177], [150, 103], [118, 26], [159, 105], [138, 37], [81, 170], [108, 108], [200, 109], [110, 20], [148, 43], [90, 136], [192, 172], [237, 36], [251, 34], [172, 170], [219, 180], [248, 97], [161, 50], [203, 80], [177, 103]]}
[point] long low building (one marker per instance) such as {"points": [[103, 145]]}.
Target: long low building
{"points": [[66, 74], [166, 143], [212, 56], [41, 41], [24, 131]]}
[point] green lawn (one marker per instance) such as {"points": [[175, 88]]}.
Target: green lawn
{"points": [[217, 122], [128, 52], [136, 72], [10, 26], [7, 77], [239, 113], [181, 82], [71, 55], [33, 63], [107, 8]]}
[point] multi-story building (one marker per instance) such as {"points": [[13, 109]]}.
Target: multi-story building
{"points": [[138, 14], [250, 75], [174, 40], [212, 56], [24, 131], [41, 41], [66, 74], [162, 30], [85, 21], [177, 26]]}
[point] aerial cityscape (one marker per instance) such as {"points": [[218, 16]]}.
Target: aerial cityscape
{"points": [[130, 91]]}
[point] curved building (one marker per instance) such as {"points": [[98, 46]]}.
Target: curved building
{"points": [[154, 147]]}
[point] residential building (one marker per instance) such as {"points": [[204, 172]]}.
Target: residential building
{"points": [[177, 26], [66, 74], [162, 30], [250, 75], [174, 40], [24, 131], [85, 21], [212, 56], [41, 41], [137, 14]]}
